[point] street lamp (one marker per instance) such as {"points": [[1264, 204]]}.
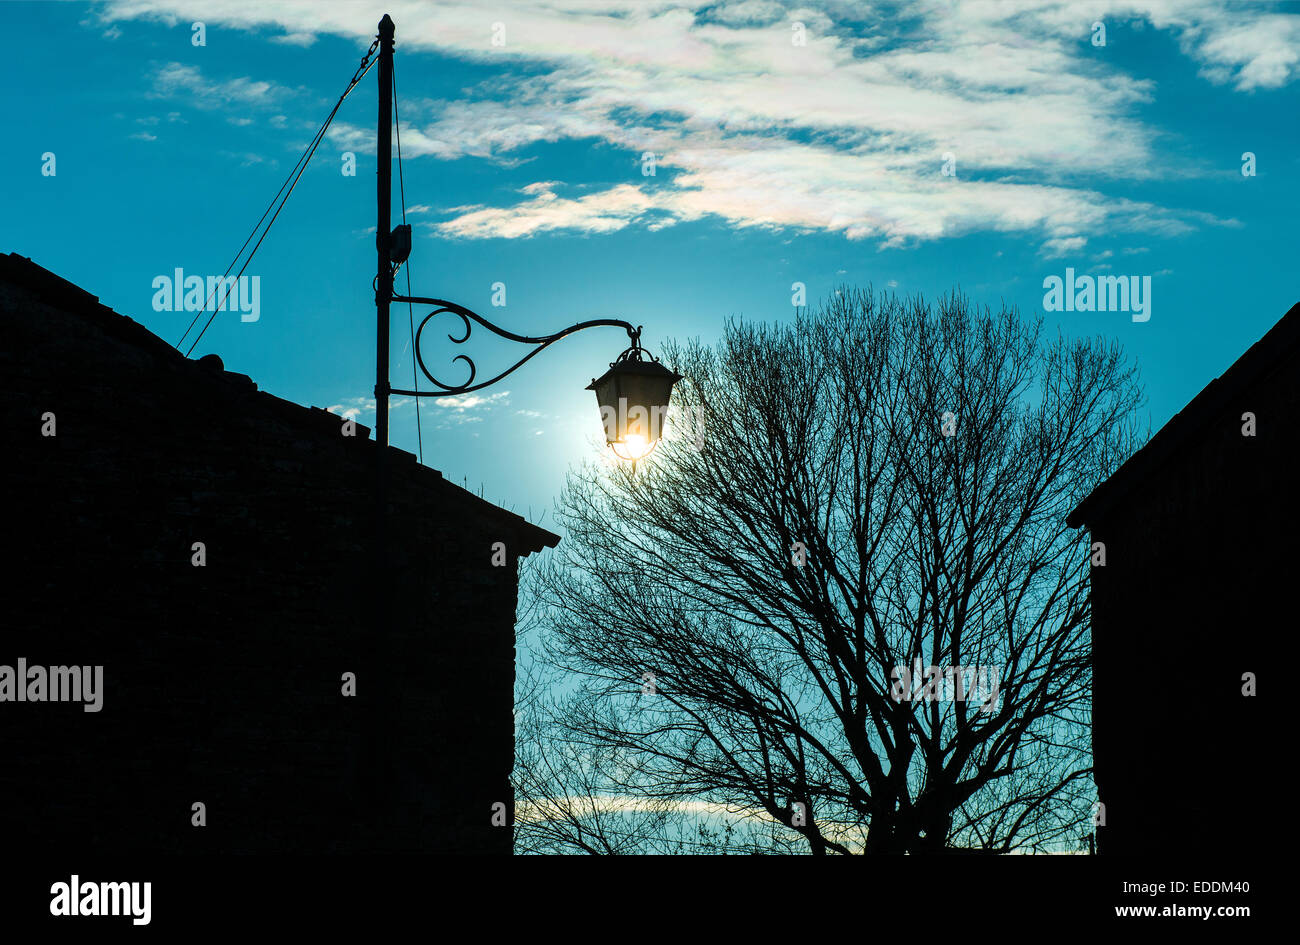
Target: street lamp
{"points": [[636, 386], [633, 394]]}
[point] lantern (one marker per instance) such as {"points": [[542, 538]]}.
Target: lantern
{"points": [[633, 396]]}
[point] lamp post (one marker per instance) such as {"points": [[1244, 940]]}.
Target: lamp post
{"points": [[383, 237], [633, 394], [633, 397]]}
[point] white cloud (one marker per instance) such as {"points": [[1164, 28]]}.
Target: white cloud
{"points": [[469, 401], [295, 39], [1063, 246], [354, 407], [748, 12], [602, 212], [844, 135], [247, 158], [175, 79], [1243, 45]]}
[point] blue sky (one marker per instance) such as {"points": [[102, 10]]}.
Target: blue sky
{"points": [[777, 162]]}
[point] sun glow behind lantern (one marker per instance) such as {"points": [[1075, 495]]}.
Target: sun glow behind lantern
{"points": [[634, 446], [633, 396]]}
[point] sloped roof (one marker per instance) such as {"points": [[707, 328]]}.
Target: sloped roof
{"points": [[1280, 345], [20, 271]]}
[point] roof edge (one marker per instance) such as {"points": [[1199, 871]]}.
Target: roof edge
{"points": [[1257, 361], [54, 290]]}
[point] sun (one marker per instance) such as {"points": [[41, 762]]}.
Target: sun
{"points": [[633, 447]]}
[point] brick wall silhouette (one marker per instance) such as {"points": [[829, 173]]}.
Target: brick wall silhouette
{"points": [[1200, 529], [222, 684]]}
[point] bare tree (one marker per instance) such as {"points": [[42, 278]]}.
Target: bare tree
{"points": [[863, 615], [565, 800]]}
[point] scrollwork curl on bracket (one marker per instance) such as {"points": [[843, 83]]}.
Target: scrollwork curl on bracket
{"points": [[468, 318]]}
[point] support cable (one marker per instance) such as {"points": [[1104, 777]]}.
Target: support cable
{"points": [[410, 308], [290, 182]]}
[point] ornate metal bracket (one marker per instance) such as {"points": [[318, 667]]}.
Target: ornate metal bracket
{"points": [[634, 352]]}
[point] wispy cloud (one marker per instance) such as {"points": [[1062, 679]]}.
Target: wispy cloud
{"points": [[248, 158], [844, 134], [443, 411], [353, 407], [601, 212], [356, 407], [464, 403], [1055, 249], [179, 80], [303, 39]]}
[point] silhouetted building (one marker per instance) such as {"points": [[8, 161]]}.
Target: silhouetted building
{"points": [[1200, 530], [223, 684]]}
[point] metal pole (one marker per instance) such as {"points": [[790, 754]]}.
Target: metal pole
{"points": [[376, 754], [383, 235]]}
